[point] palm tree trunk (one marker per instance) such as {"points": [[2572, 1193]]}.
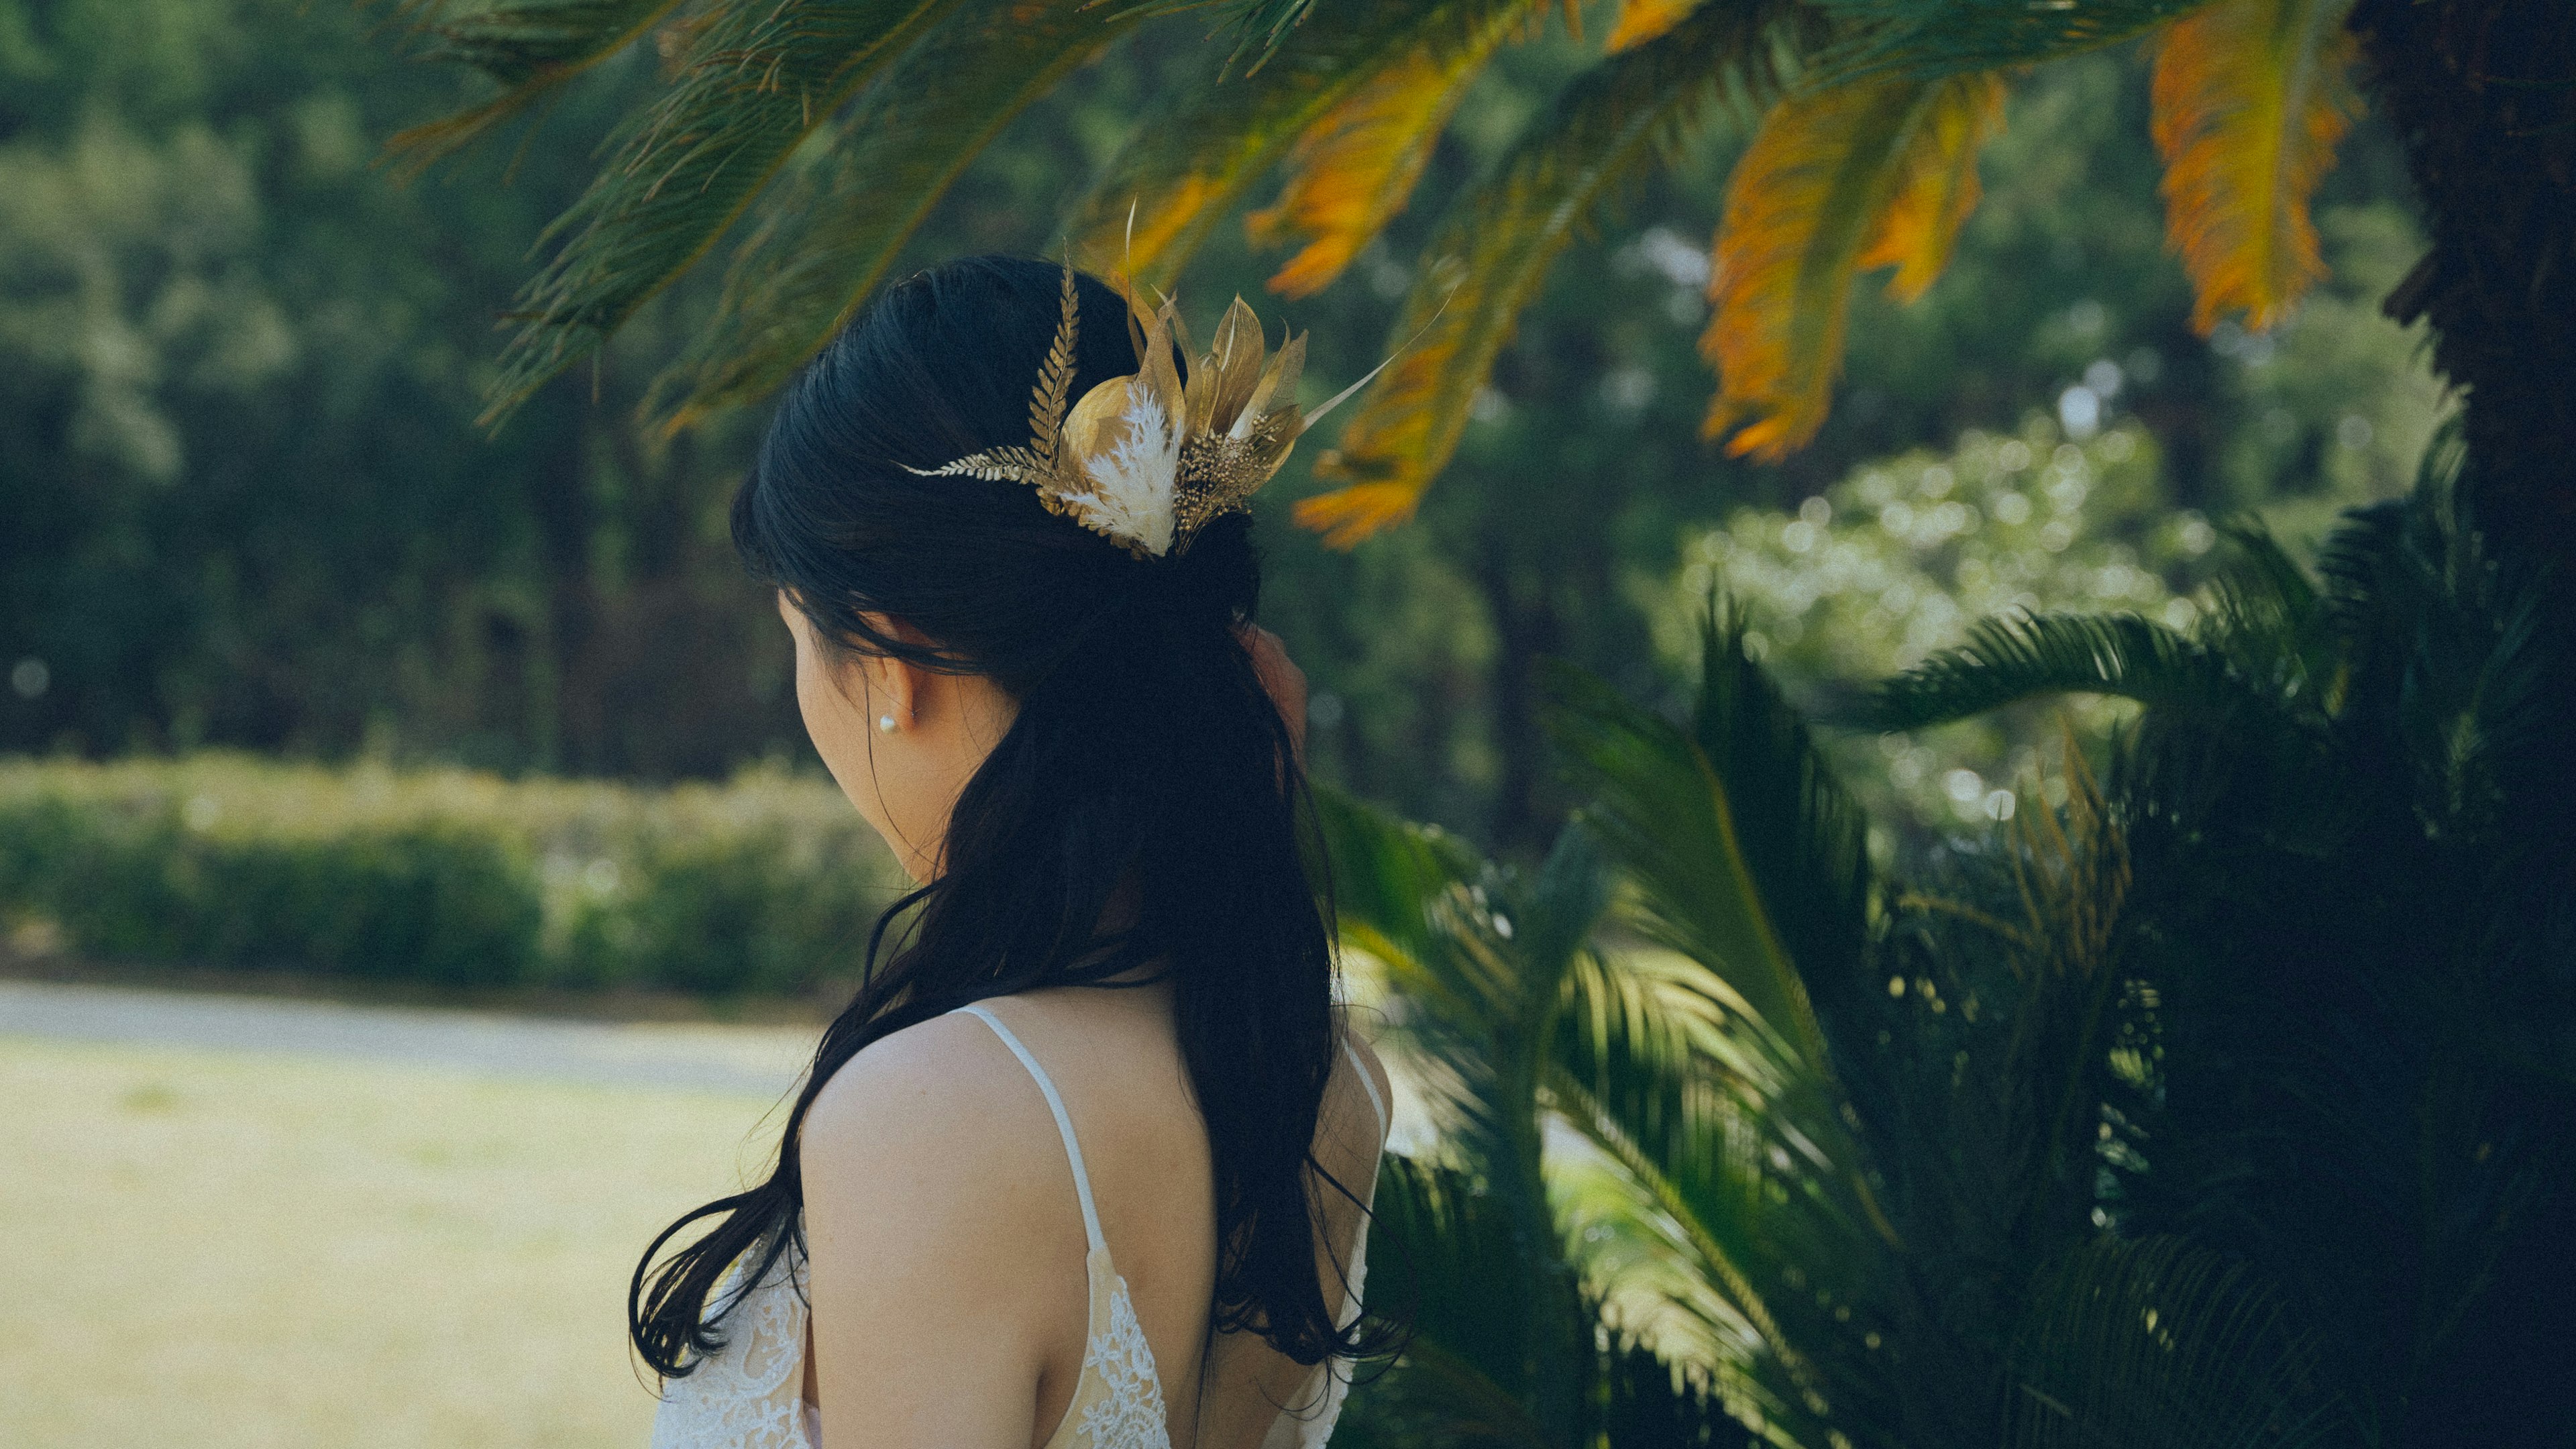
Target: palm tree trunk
{"points": [[2484, 94]]}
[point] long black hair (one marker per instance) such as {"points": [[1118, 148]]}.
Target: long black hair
{"points": [[1146, 762]]}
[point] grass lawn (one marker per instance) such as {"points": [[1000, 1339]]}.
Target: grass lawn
{"points": [[216, 1249]]}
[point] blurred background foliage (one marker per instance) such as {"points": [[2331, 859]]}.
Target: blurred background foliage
{"points": [[247, 504], [764, 885]]}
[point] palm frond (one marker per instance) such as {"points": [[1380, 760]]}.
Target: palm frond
{"points": [[1674, 1213], [2015, 657], [2157, 1344], [1458, 1260], [2072, 871], [1649, 1403], [1661, 1270], [2365, 973], [2250, 97], [756, 80], [1929, 39], [2266, 618], [1642, 20], [1464, 1265], [831, 232], [2450, 665], [1742, 852], [1197, 152], [530, 46], [1261, 27], [1938, 187], [1872, 173], [1560, 907], [1354, 168], [1388, 874], [1495, 245]]}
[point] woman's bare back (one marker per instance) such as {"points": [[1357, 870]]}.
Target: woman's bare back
{"points": [[1116, 1063]]}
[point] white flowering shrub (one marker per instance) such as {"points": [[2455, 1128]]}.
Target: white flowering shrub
{"points": [[1900, 557]]}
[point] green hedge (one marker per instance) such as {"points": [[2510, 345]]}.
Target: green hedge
{"points": [[763, 885]]}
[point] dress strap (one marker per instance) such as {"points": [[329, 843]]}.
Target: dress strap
{"points": [[1367, 1084], [1063, 1123]]}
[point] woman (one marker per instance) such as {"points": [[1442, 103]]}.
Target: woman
{"points": [[1085, 1162]]}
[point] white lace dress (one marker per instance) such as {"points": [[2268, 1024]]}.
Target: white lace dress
{"points": [[749, 1393]]}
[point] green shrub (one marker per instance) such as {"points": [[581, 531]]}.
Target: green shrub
{"points": [[763, 885]]}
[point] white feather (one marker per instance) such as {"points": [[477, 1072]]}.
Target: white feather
{"points": [[1132, 497]]}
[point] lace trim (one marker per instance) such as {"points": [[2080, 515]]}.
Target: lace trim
{"points": [[1127, 1410], [747, 1394]]}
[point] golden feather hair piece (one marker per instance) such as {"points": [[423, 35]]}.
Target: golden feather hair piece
{"points": [[1145, 460]]}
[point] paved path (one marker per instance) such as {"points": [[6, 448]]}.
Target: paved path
{"points": [[758, 1060]]}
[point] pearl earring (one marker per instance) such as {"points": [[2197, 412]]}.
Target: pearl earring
{"points": [[885, 723]]}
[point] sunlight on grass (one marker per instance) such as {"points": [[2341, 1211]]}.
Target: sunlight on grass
{"points": [[218, 1249]]}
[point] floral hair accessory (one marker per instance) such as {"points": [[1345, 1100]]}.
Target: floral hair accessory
{"points": [[1145, 460]]}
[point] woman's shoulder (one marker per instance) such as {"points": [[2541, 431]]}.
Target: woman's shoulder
{"points": [[939, 1103], [943, 1053]]}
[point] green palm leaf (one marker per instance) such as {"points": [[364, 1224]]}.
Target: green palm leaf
{"points": [[1389, 877], [1456, 1257], [1261, 27], [530, 47], [2015, 657], [832, 231], [1649, 1404], [1198, 151], [1748, 856], [1932, 38], [1497, 241], [2157, 1344], [757, 79], [1683, 1237]]}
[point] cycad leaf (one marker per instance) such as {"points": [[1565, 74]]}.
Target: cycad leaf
{"points": [[1647, 1401], [1261, 27], [2250, 97], [1928, 39], [530, 47], [829, 235], [1744, 850], [1495, 245], [1871, 173], [1664, 1069], [1558, 910], [1354, 168], [2268, 620], [2023, 656], [1642, 20], [1187, 163], [1386, 871], [1456, 1257], [757, 79], [2157, 1344], [1938, 188]]}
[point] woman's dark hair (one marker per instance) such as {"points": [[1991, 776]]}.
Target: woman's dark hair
{"points": [[1146, 763]]}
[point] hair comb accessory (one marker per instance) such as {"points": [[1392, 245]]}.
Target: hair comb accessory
{"points": [[1145, 460]]}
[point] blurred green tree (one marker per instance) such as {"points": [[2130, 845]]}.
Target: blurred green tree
{"points": [[243, 500]]}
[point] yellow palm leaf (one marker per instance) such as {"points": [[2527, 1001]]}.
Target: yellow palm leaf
{"points": [[1491, 253], [1354, 168], [1876, 172], [1643, 20], [1347, 515], [1188, 163], [2250, 98], [1939, 187]]}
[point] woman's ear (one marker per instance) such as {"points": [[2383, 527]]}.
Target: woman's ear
{"points": [[894, 686]]}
